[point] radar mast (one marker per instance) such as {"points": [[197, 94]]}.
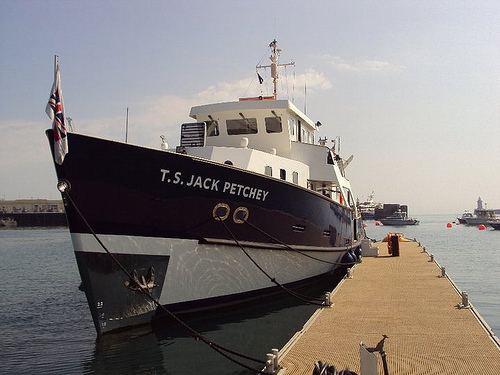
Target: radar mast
{"points": [[275, 53]]}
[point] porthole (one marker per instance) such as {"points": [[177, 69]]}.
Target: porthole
{"points": [[221, 211], [228, 162], [240, 215]]}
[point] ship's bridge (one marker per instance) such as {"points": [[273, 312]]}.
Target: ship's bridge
{"points": [[267, 123]]}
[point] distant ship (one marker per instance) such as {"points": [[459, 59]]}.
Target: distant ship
{"points": [[399, 218], [466, 215], [367, 208], [8, 222], [482, 215]]}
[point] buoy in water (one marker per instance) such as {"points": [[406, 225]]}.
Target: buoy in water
{"points": [[449, 225], [482, 227]]}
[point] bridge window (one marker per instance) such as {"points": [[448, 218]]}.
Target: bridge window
{"points": [[295, 177], [273, 125], [268, 170], [212, 128], [242, 126]]}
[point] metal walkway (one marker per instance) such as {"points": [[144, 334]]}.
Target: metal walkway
{"points": [[407, 299]]}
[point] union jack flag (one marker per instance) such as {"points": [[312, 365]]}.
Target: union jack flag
{"points": [[55, 111]]}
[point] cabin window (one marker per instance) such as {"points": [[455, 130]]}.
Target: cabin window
{"points": [[242, 126], [268, 170], [273, 125], [329, 158], [212, 128], [304, 135], [291, 127], [282, 174], [295, 177]]}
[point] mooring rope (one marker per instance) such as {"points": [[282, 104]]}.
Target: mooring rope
{"points": [[305, 299], [298, 251], [195, 334]]}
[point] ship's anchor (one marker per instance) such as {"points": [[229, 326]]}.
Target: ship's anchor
{"points": [[137, 282]]}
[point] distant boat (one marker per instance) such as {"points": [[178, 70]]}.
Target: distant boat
{"points": [[399, 218], [486, 217], [466, 215], [8, 222], [482, 216], [367, 208]]}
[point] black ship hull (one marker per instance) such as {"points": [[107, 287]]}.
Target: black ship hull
{"points": [[159, 213]]}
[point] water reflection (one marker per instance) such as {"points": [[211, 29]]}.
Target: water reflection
{"points": [[166, 348]]}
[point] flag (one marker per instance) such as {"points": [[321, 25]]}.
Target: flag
{"points": [[55, 111], [261, 80]]}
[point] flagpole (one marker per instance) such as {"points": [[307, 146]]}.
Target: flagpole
{"points": [[126, 128], [55, 67]]}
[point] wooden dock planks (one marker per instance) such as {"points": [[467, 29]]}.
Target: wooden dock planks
{"points": [[406, 299]]}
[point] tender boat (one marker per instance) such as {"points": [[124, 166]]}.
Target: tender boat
{"points": [[495, 226], [463, 219], [8, 222], [247, 174], [399, 218]]}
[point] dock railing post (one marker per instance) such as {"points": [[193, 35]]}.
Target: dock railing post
{"points": [[270, 363], [276, 364], [328, 299]]}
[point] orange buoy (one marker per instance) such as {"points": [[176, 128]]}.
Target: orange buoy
{"points": [[448, 225], [482, 227]]}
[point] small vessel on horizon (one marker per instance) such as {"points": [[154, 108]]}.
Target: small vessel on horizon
{"points": [[482, 215], [367, 207], [8, 222], [466, 215], [399, 218]]}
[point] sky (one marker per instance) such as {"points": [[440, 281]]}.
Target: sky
{"points": [[411, 87]]}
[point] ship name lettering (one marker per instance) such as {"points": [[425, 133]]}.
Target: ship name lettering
{"points": [[245, 191], [208, 183]]}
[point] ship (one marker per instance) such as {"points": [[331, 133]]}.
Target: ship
{"points": [[482, 215], [399, 218], [248, 192], [367, 207]]}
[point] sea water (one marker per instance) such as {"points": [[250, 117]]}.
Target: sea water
{"points": [[46, 327]]}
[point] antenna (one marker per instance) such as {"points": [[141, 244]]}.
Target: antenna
{"points": [[305, 97], [126, 128], [275, 53]]}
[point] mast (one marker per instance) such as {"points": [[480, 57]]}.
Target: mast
{"points": [[275, 53]]}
